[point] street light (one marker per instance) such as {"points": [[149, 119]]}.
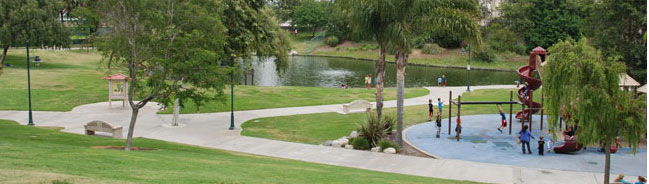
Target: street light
{"points": [[231, 62], [29, 89], [468, 71]]}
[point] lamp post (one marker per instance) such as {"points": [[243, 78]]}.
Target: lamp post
{"points": [[29, 88], [231, 95], [468, 71]]}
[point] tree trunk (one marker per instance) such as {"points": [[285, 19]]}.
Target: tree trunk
{"points": [[176, 112], [131, 127], [607, 164], [402, 59], [314, 29], [380, 75], [4, 54]]}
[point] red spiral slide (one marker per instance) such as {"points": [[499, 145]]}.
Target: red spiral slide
{"points": [[525, 74]]}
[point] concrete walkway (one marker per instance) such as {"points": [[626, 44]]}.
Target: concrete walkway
{"points": [[210, 130]]}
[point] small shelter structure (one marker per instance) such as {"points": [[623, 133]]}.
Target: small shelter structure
{"points": [[643, 89], [627, 83], [117, 88]]}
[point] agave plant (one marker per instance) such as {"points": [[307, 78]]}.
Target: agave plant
{"points": [[374, 129]]}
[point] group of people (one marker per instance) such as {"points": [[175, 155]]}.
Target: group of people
{"points": [[368, 81], [431, 113], [441, 81], [620, 178]]}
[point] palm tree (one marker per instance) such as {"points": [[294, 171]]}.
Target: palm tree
{"points": [[367, 19], [406, 18]]}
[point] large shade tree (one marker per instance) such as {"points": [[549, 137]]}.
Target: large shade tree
{"points": [[578, 77], [33, 21], [407, 18], [165, 42], [310, 14], [618, 28]]}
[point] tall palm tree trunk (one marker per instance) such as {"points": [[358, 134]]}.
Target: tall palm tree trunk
{"points": [[380, 75], [402, 60]]}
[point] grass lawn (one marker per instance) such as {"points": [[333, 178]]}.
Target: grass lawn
{"points": [[67, 79], [317, 128], [45, 155], [64, 80], [258, 97]]}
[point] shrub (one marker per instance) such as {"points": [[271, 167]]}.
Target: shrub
{"points": [[374, 46], [374, 130], [337, 48], [520, 49], [432, 49], [332, 41], [387, 144], [484, 54], [360, 143]]}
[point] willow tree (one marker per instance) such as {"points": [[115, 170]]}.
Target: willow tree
{"points": [[367, 18], [577, 76], [407, 18]]}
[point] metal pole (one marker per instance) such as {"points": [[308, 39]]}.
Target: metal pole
{"points": [[531, 111], [468, 72], [450, 108], [541, 111], [511, 107], [29, 89], [459, 107], [522, 114], [231, 96]]}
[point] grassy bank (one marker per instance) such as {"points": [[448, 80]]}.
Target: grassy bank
{"points": [[367, 50], [317, 128], [64, 80], [258, 97], [45, 155]]}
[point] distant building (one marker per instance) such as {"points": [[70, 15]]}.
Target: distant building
{"points": [[489, 10]]}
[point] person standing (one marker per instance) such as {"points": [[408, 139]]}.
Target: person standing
{"points": [[367, 81], [458, 127], [439, 81], [525, 135], [438, 122], [430, 109], [443, 80], [439, 104]]}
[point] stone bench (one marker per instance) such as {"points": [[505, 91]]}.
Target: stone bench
{"points": [[101, 126], [357, 104]]}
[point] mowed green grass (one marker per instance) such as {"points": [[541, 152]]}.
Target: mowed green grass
{"points": [[64, 80], [45, 155], [259, 97], [317, 128], [67, 79]]}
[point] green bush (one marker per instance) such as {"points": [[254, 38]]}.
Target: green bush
{"points": [[520, 49], [374, 46], [332, 41], [484, 54], [374, 130], [432, 49], [360, 143], [387, 144]]}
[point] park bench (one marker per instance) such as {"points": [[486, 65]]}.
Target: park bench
{"points": [[357, 104], [101, 126]]}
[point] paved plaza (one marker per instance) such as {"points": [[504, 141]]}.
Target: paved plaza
{"points": [[481, 142], [211, 130]]}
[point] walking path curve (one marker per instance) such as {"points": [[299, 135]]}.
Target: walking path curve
{"points": [[211, 130]]}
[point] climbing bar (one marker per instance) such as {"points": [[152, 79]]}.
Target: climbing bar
{"points": [[485, 103]]}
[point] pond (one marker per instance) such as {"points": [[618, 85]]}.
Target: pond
{"points": [[332, 72]]}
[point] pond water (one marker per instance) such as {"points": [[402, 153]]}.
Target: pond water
{"points": [[332, 72]]}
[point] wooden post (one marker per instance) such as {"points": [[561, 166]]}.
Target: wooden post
{"points": [[245, 78], [511, 107], [522, 114], [541, 111], [450, 108], [560, 123], [252, 82]]}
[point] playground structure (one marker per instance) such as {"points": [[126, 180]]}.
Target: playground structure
{"points": [[525, 96]]}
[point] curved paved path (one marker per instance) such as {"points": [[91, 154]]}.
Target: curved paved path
{"points": [[210, 130]]}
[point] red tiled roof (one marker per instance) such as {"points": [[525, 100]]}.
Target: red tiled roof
{"points": [[118, 76]]}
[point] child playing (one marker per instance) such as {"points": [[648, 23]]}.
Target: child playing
{"points": [[439, 81], [438, 122], [430, 109], [443, 81], [503, 123], [541, 144], [550, 143], [525, 135], [439, 104]]}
